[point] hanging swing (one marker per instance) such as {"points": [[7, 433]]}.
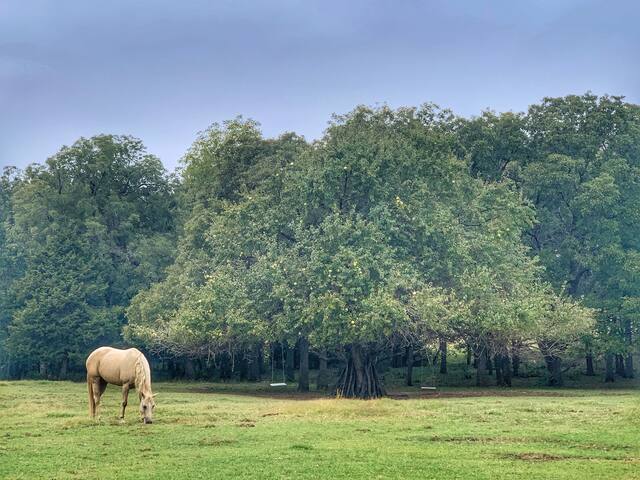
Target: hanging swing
{"points": [[273, 382], [422, 373]]}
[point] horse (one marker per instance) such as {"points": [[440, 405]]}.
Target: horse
{"points": [[127, 368]]}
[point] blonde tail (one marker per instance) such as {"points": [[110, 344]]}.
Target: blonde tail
{"points": [[92, 403]]}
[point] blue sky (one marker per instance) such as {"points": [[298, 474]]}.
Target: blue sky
{"points": [[164, 70]]}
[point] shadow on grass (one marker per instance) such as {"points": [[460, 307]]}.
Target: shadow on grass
{"points": [[398, 393]]}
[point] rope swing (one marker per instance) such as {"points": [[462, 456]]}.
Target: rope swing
{"points": [[273, 382], [426, 359]]}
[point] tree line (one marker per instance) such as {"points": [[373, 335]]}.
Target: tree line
{"points": [[399, 230]]}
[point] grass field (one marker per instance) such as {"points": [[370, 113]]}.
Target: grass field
{"points": [[205, 430]]}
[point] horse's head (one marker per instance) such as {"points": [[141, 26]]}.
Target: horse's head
{"points": [[147, 404]]}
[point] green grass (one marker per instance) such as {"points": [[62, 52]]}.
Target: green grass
{"points": [[205, 430]]}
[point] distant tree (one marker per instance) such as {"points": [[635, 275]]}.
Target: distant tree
{"points": [[577, 159], [584, 179], [91, 227], [11, 265]]}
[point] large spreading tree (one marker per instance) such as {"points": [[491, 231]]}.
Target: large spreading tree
{"points": [[347, 244]]}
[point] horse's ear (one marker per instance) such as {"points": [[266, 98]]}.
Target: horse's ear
{"points": [[154, 395]]}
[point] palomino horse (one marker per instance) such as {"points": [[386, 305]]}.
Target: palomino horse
{"points": [[127, 368]]}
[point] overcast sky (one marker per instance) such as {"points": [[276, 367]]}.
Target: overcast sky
{"points": [[164, 70]]}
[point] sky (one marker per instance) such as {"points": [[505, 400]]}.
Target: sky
{"points": [[164, 70]]}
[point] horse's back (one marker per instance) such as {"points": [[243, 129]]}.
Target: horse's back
{"points": [[113, 364]]}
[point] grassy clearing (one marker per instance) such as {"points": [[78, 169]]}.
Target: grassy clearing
{"points": [[205, 430]]}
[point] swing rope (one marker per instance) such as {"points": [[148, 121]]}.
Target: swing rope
{"points": [[422, 374], [272, 352], [284, 380]]}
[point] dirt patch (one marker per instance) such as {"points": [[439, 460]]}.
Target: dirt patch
{"points": [[432, 394], [398, 394], [536, 457], [465, 439], [461, 439], [245, 424], [274, 394], [301, 447], [216, 442], [548, 457]]}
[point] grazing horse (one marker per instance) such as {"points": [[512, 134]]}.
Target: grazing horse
{"points": [[126, 368]]}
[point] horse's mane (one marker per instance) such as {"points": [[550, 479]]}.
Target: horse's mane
{"points": [[141, 374]]}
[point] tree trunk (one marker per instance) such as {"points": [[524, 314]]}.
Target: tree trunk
{"points": [[497, 360], [468, 356], [481, 372], [609, 370], [303, 380], [396, 357], [620, 365], [171, 369], [506, 370], [628, 334], [44, 368], [515, 365], [554, 366], [410, 361], [589, 359], [289, 371], [189, 370], [443, 356], [243, 365], [253, 363], [628, 366], [322, 382], [64, 367], [359, 379], [225, 367], [261, 369], [488, 363]]}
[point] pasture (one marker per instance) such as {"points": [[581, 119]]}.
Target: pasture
{"points": [[205, 430]]}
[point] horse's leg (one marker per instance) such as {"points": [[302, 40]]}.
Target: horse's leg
{"points": [[125, 396]]}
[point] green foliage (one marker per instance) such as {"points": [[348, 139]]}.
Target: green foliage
{"points": [[376, 233], [577, 159], [11, 265], [90, 228], [398, 227]]}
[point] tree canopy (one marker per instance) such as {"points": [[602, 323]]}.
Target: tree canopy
{"points": [[349, 244], [399, 228], [88, 230]]}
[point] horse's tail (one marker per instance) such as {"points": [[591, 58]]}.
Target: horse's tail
{"points": [[92, 403]]}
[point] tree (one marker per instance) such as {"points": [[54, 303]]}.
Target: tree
{"points": [[338, 244], [11, 265], [91, 227], [576, 158], [192, 312]]}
